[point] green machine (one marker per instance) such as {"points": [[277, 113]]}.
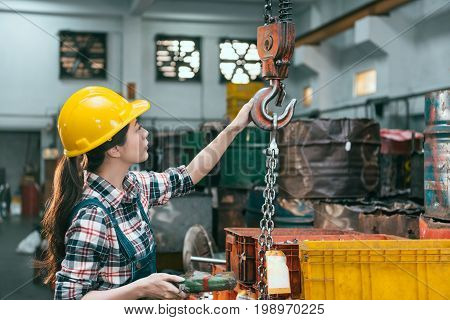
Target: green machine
{"points": [[243, 164]]}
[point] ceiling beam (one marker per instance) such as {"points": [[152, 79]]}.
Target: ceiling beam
{"points": [[205, 12], [256, 2], [138, 7], [64, 8], [201, 18], [347, 21]]}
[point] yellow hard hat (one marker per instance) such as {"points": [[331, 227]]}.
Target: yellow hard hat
{"points": [[92, 116]]}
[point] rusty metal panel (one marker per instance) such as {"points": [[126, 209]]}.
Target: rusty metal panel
{"points": [[329, 215], [397, 147], [329, 158], [437, 154], [230, 214], [432, 229], [400, 142], [289, 213], [417, 181], [400, 218], [395, 174], [242, 250], [402, 225]]}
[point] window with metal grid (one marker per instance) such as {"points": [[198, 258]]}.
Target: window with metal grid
{"points": [[177, 58], [239, 61]]}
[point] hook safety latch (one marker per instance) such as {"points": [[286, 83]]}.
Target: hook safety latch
{"points": [[260, 111]]}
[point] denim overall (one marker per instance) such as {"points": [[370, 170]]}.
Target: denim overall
{"points": [[140, 268]]}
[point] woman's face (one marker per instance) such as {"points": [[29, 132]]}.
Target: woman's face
{"points": [[135, 148]]}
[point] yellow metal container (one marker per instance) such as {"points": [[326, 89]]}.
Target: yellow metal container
{"points": [[233, 107], [243, 91], [377, 270], [238, 95]]}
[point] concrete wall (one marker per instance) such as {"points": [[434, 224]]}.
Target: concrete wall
{"points": [[409, 48], [195, 100], [31, 92], [30, 88], [322, 11], [413, 56]]}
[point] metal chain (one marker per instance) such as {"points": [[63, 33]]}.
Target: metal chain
{"points": [[266, 224], [268, 18], [285, 10], [265, 239]]}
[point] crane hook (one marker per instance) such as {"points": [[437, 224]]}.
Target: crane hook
{"points": [[260, 114]]}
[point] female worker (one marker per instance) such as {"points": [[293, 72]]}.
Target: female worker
{"points": [[97, 224]]}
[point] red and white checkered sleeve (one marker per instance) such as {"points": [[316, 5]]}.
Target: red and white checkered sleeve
{"points": [[159, 187], [87, 245]]}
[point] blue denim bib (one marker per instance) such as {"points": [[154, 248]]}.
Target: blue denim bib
{"points": [[140, 268]]}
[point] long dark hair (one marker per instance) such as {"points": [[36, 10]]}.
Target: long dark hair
{"points": [[68, 184]]}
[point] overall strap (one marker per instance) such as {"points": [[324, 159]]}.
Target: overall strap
{"points": [[125, 244], [85, 203], [146, 219], [143, 214]]}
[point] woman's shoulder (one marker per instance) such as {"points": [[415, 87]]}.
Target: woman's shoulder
{"points": [[90, 209], [89, 225], [140, 179], [139, 176]]}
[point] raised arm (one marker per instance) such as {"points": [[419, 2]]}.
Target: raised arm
{"points": [[205, 161]]}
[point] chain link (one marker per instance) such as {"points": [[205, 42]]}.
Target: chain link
{"points": [[266, 224], [268, 18], [265, 239]]}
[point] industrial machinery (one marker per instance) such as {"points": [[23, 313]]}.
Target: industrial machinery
{"points": [[275, 42]]}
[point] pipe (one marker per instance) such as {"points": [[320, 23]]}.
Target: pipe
{"points": [[208, 260], [363, 104]]}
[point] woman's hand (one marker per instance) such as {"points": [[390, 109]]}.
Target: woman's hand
{"points": [[203, 163], [243, 117], [160, 286]]}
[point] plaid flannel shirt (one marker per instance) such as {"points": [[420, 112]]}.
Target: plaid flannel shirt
{"points": [[93, 260]]}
